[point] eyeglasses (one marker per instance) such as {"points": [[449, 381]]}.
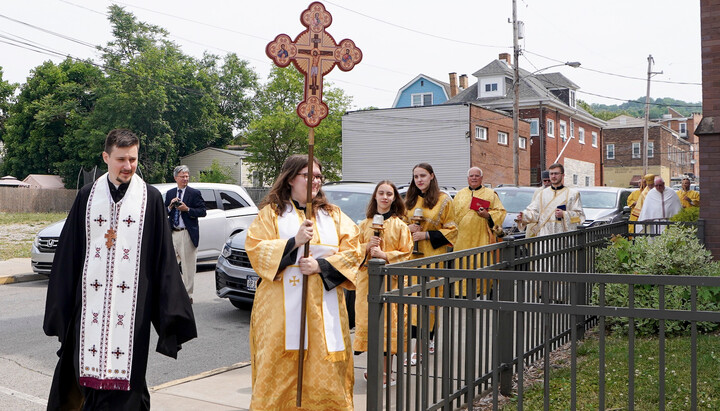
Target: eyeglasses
{"points": [[546, 181], [316, 177]]}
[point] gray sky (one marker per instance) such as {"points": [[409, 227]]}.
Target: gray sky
{"points": [[611, 38]]}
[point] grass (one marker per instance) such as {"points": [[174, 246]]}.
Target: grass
{"points": [[17, 232], [677, 376]]}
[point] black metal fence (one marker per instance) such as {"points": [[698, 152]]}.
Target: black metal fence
{"points": [[494, 310]]}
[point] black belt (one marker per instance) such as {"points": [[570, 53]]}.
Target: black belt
{"points": [[178, 229]]}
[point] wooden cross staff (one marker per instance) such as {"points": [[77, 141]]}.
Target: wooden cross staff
{"points": [[314, 53]]}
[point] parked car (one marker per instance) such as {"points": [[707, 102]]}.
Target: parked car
{"points": [[515, 200], [230, 210], [235, 278], [603, 205]]}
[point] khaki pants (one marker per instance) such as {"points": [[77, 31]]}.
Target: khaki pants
{"points": [[186, 253]]}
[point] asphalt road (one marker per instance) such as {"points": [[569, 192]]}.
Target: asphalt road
{"points": [[28, 359]]}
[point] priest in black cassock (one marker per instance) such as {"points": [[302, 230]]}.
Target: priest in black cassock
{"points": [[114, 274]]}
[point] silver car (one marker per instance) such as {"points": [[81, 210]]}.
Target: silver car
{"points": [[230, 210]]}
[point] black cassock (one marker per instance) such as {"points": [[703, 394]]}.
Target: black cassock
{"points": [[161, 300]]}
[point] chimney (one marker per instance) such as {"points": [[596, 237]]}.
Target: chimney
{"points": [[453, 84], [463, 82], [506, 57]]}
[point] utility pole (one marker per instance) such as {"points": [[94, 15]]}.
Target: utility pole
{"points": [[516, 98], [644, 153]]}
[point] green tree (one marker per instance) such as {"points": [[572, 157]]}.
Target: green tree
{"points": [[217, 174], [54, 102], [278, 132], [7, 90]]}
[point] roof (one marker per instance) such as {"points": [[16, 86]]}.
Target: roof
{"points": [[534, 89], [10, 181], [46, 181], [625, 121], [238, 153]]}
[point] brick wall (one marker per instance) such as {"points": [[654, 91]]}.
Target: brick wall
{"points": [[709, 129], [496, 160]]}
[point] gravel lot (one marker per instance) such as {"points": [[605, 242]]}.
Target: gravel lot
{"points": [[16, 238]]}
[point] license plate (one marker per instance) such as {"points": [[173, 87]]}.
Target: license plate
{"points": [[252, 281]]}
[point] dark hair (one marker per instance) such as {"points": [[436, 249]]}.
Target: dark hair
{"points": [[397, 208], [279, 195], [432, 195], [120, 137], [557, 165]]}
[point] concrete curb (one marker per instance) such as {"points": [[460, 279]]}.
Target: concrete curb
{"points": [[21, 278], [199, 376]]}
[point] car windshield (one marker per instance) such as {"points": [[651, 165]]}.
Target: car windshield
{"points": [[597, 199], [351, 203], [515, 201]]}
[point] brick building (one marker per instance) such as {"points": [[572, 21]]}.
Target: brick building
{"points": [[685, 127], [709, 129], [668, 154], [559, 129]]}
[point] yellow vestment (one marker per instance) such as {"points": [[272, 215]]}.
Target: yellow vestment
{"points": [[440, 218], [693, 195], [473, 230], [328, 378], [638, 205], [397, 244]]}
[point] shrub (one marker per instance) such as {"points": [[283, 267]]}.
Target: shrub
{"points": [[676, 252], [690, 214], [216, 174]]}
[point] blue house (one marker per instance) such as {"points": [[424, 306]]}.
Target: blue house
{"points": [[425, 91]]}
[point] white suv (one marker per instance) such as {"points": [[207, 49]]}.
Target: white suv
{"points": [[230, 210]]}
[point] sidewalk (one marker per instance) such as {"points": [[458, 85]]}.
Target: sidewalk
{"points": [[17, 270], [228, 388], [223, 389]]}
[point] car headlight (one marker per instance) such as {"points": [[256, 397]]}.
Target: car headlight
{"points": [[226, 251], [36, 241]]}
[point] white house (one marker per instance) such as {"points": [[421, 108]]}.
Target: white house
{"points": [[202, 160]]}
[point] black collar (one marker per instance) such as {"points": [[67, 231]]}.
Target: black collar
{"points": [[476, 189], [387, 215], [119, 192], [557, 188], [297, 205]]}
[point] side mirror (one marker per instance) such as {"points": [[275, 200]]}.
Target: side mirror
{"points": [[626, 209]]}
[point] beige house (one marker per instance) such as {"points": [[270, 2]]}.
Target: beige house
{"points": [[45, 181], [234, 159]]}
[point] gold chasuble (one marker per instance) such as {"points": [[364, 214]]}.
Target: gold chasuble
{"points": [[473, 230], [692, 195], [638, 205], [440, 218], [398, 245], [329, 376]]}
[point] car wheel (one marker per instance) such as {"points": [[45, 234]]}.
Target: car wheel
{"points": [[241, 305]]}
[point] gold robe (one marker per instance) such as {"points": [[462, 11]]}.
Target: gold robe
{"points": [[631, 201], [398, 245], [440, 218], [473, 230], [328, 379], [693, 195], [542, 211], [638, 206]]}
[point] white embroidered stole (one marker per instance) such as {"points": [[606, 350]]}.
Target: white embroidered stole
{"points": [[109, 284], [548, 211], [288, 225]]}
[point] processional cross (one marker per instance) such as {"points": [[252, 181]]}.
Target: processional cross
{"points": [[314, 53]]}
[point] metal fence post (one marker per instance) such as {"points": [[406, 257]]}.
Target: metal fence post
{"points": [[505, 322], [375, 334], [581, 289]]}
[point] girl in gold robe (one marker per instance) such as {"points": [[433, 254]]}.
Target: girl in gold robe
{"points": [[435, 233], [394, 244], [275, 245]]}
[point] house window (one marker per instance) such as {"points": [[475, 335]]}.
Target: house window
{"points": [[572, 129], [670, 151], [534, 126], [575, 179], [635, 150], [502, 138], [563, 130], [594, 139], [610, 151], [572, 98], [651, 149], [683, 129], [480, 133], [587, 180], [522, 143], [581, 135], [491, 87], [422, 99], [551, 128]]}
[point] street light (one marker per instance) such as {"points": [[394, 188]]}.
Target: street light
{"points": [[516, 110]]}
